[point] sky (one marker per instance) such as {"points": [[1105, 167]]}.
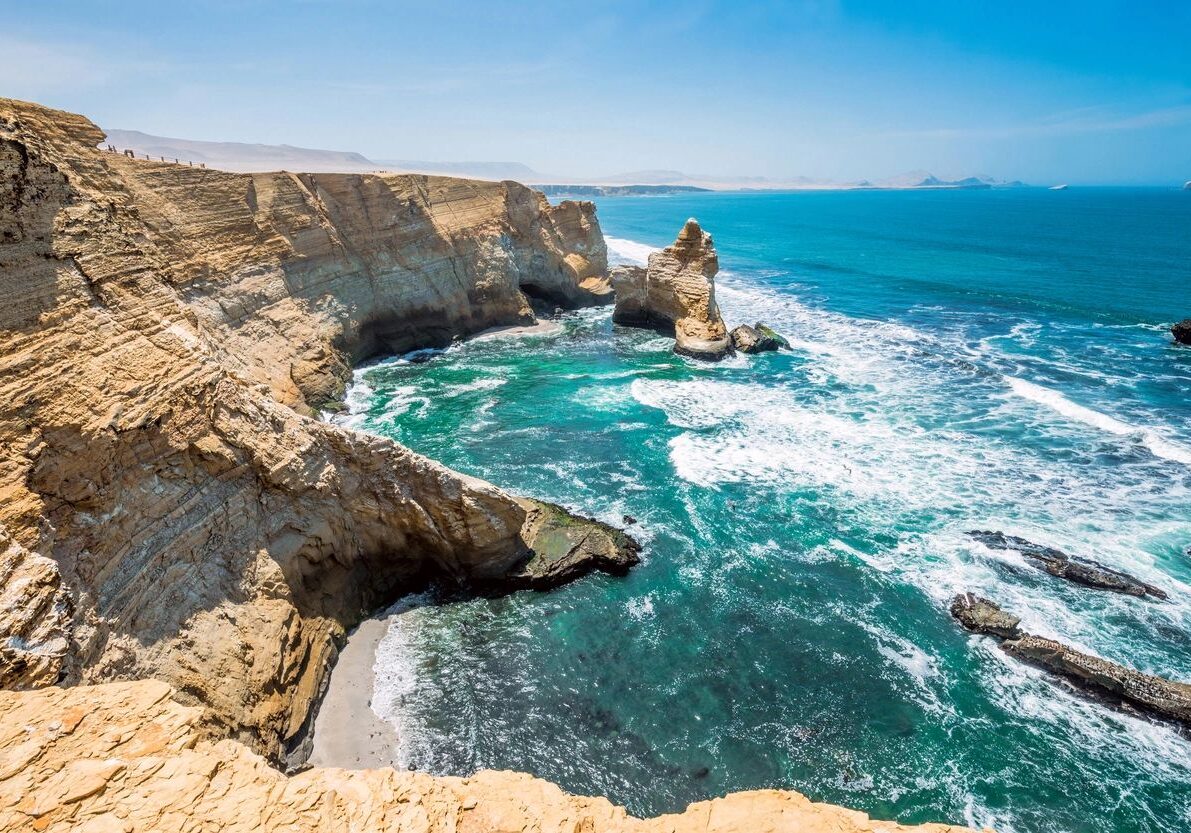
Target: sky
{"points": [[1046, 92]]}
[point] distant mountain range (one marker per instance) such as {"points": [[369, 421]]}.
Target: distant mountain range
{"points": [[244, 157]]}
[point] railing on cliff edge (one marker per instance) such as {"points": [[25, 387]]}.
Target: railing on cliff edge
{"points": [[131, 154]]}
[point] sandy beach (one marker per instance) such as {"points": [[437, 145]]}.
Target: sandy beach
{"points": [[347, 733]]}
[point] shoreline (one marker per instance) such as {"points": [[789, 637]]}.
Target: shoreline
{"points": [[347, 733]]}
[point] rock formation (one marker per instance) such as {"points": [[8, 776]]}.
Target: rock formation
{"points": [[173, 518], [978, 614], [127, 757], [167, 507], [1106, 680], [1077, 570], [1182, 331], [676, 293], [757, 339]]}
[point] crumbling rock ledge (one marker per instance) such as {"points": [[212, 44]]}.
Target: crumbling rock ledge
{"points": [[1108, 681], [676, 293], [127, 757]]}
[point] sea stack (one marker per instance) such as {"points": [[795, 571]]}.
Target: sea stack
{"points": [[676, 293], [1182, 331]]}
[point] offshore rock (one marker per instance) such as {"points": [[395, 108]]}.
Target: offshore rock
{"points": [[168, 508], [1077, 570], [1182, 331], [1120, 685], [676, 293], [127, 757], [757, 339], [980, 615], [1106, 680]]}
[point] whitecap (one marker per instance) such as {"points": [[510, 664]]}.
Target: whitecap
{"points": [[1155, 442]]}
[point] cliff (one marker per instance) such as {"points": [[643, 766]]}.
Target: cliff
{"points": [[176, 526], [676, 292], [167, 507]]}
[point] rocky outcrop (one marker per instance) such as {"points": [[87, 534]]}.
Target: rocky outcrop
{"points": [[127, 757], [1108, 681], [168, 508], [1077, 570], [1182, 331], [676, 293], [757, 339], [980, 615], [564, 546]]}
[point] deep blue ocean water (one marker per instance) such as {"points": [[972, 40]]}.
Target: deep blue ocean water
{"points": [[962, 360]]}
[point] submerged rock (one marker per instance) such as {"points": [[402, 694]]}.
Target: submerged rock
{"points": [[564, 546], [1182, 331], [1076, 570], [676, 293], [757, 339], [1109, 681], [980, 615]]}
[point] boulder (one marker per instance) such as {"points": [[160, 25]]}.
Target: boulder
{"points": [[1182, 331], [757, 339], [980, 615], [1076, 570], [676, 293]]}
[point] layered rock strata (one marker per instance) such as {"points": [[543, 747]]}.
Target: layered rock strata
{"points": [[1083, 571], [1108, 681], [676, 293], [172, 517], [125, 757], [167, 507]]}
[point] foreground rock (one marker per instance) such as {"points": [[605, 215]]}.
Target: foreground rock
{"points": [[1077, 570], [563, 547], [1107, 680], [1182, 331], [757, 339], [676, 293], [127, 757]]}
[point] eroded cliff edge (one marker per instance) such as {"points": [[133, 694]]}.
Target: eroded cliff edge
{"points": [[167, 507], [172, 515]]}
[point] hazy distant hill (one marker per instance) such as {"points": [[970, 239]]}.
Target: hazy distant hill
{"points": [[240, 156]]}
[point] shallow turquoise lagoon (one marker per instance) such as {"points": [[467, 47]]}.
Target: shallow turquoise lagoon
{"points": [[962, 360]]}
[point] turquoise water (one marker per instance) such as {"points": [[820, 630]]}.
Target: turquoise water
{"points": [[992, 360]]}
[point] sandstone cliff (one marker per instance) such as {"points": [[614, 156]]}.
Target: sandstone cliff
{"points": [[125, 757], [676, 292], [166, 509], [171, 515]]}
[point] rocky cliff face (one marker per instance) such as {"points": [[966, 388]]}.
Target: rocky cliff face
{"points": [[171, 515], [166, 508], [676, 291]]}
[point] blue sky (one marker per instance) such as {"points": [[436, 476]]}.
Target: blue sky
{"points": [[1091, 92]]}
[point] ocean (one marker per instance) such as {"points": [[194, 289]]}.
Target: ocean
{"points": [[961, 360]]}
